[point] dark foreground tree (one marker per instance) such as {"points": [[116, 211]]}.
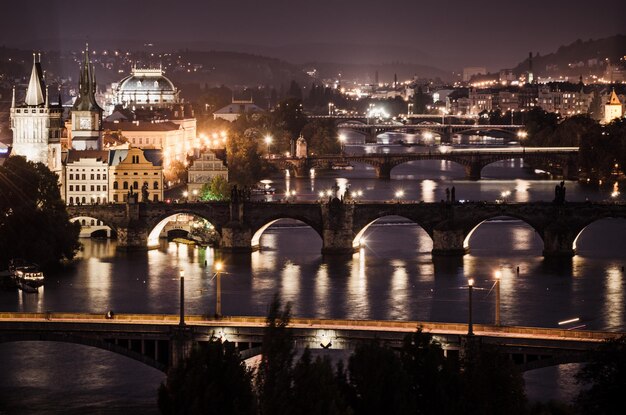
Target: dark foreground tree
{"points": [[275, 370], [605, 375], [380, 383], [434, 379], [212, 380], [34, 224], [316, 390], [491, 384]]}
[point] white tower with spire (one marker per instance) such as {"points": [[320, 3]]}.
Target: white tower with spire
{"points": [[36, 124], [86, 113], [613, 109]]}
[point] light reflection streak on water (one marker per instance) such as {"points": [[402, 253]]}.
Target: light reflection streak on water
{"points": [[521, 191], [290, 285], [321, 291], [428, 189], [356, 294], [614, 298], [397, 300]]}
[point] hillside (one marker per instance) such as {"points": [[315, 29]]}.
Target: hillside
{"points": [[578, 58]]}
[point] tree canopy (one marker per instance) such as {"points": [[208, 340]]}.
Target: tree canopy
{"points": [[34, 224]]}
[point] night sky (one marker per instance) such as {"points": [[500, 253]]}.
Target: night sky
{"points": [[440, 33]]}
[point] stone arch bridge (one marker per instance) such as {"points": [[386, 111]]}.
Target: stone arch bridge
{"points": [[160, 341], [341, 225], [563, 159], [446, 131]]}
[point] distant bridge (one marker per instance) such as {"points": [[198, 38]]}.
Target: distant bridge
{"points": [[562, 158], [341, 225], [371, 131], [160, 341]]}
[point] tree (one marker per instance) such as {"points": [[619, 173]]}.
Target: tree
{"points": [[381, 385], [217, 189], [316, 391], [491, 384], [275, 370], [176, 172], [322, 137], [605, 374], [34, 224], [294, 91], [434, 379], [244, 160], [212, 380]]}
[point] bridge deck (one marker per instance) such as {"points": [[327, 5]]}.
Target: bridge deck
{"points": [[513, 332]]}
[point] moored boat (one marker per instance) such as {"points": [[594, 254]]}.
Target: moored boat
{"points": [[27, 276]]}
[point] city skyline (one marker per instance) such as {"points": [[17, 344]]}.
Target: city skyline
{"points": [[448, 36]]}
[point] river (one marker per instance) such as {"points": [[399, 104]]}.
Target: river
{"points": [[392, 277]]}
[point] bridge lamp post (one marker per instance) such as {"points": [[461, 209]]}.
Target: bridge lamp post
{"points": [[342, 141], [218, 298], [498, 276], [399, 195], [470, 324], [182, 298], [185, 195], [268, 141]]}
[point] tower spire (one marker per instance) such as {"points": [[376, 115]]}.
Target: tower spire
{"points": [[13, 99], [34, 92], [86, 100]]}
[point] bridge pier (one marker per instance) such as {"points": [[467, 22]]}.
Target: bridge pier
{"points": [[383, 171], [449, 242], [181, 344], [337, 234], [559, 242], [472, 171], [132, 238], [236, 238]]}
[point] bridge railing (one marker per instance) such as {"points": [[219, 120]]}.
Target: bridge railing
{"points": [[316, 323]]}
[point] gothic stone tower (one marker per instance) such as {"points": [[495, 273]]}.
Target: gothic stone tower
{"points": [[36, 124], [86, 113]]}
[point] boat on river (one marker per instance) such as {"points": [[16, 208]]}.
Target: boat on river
{"points": [[27, 277]]}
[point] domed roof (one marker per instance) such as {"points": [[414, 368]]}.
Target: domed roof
{"points": [[147, 80]]}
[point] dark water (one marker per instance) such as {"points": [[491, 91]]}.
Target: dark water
{"points": [[393, 277]]}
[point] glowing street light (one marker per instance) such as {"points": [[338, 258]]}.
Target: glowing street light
{"points": [[268, 141], [195, 194], [185, 195], [342, 141], [399, 195], [522, 134], [470, 324]]}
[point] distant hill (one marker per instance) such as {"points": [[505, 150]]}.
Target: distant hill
{"points": [[366, 73], [578, 58]]}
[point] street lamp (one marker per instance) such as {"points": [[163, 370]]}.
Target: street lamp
{"points": [[218, 298], [399, 194], [470, 325], [185, 195], [498, 276], [342, 141], [182, 298], [268, 141], [195, 194]]}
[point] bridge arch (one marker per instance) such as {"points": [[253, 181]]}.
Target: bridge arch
{"points": [[259, 228], [161, 222], [469, 231], [364, 225], [159, 360], [597, 221], [91, 225]]}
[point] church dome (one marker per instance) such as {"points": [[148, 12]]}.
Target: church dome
{"points": [[146, 87]]}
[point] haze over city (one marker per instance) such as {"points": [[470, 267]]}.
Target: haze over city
{"points": [[446, 34]]}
